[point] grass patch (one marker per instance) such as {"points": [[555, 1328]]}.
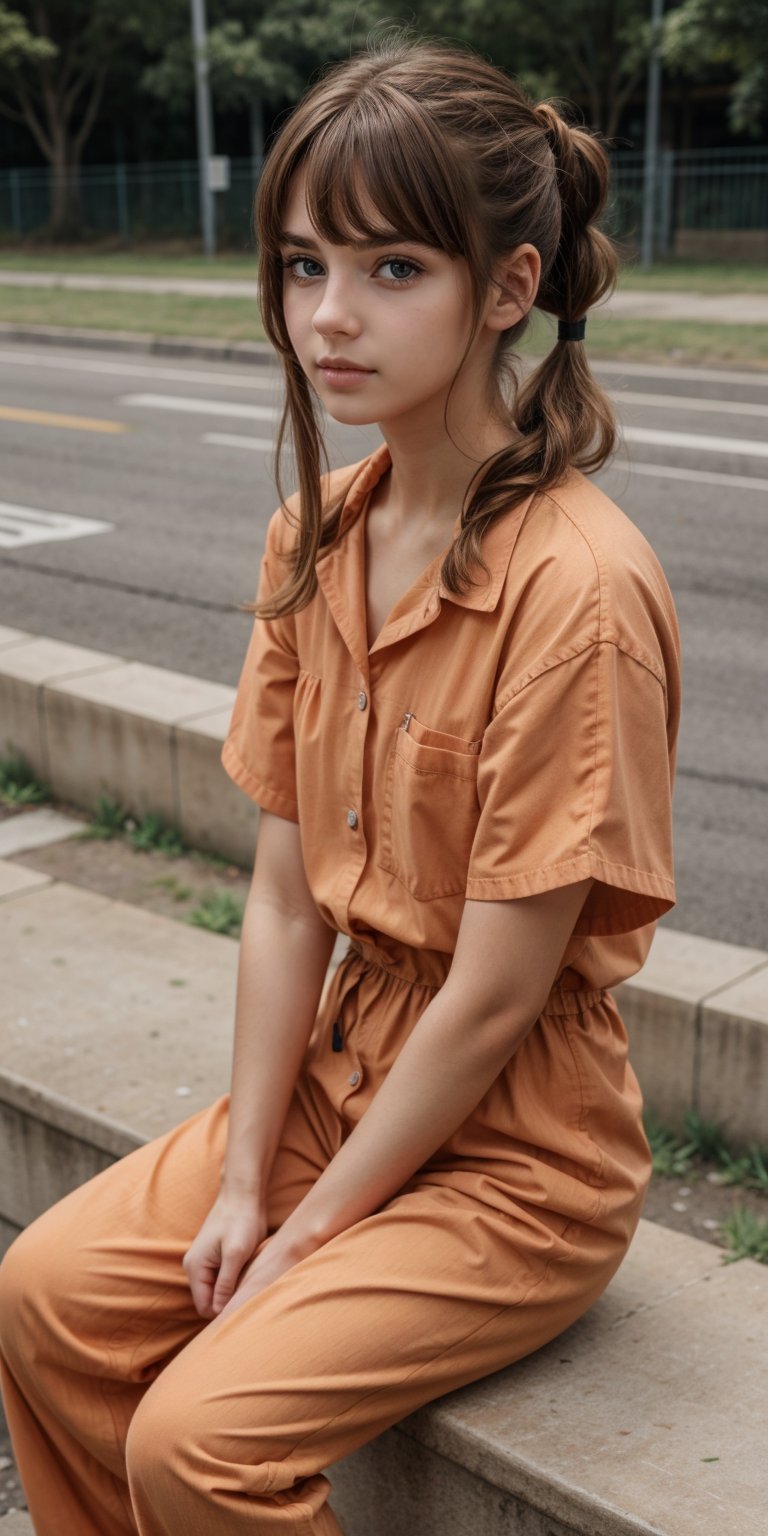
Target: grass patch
{"points": [[19, 785], [130, 263], [150, 832], [746, 1236], [154, 832], [687, 276], [174, 887], [628, 339], [699, 277], [108, 820], [155, 314], [676, 1153], [219, 911]]}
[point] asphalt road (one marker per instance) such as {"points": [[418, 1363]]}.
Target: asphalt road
{"points": [[160, 456]]}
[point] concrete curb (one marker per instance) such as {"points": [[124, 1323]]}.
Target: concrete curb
{"points": [[601, 1433], [260, 352], [91, 723]]}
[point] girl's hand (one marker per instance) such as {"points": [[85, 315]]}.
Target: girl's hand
{"points": [[228, 1238], [277, 1254]]}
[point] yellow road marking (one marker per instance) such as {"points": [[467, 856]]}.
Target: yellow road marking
{"points": [[55, 419]]}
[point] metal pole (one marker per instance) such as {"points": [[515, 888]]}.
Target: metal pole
{"points": [[204, 125], [651, 135], [18, 227]]}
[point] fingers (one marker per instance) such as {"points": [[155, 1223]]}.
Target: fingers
{"points": [[202, 1280], [214, 1262], [213, 1278], [228, 1276]]}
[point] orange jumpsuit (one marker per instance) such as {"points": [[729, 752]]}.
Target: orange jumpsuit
{"points": [[492, 745]]}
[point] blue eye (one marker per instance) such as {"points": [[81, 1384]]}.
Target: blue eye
{"points": [[414, 270], [291, 264], [400, 261]]}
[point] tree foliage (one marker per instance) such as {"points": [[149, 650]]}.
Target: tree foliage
{"points": [[594, 49], [55, 57], [704, 34]]}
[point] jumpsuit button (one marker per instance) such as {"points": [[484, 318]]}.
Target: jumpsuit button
{"points": [[362, 699], [354, 1079], [352, 819]]}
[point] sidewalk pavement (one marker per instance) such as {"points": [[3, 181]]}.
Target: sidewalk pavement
{"points": [[641, 304]]}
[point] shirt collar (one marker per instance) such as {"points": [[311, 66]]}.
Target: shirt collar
{"points": [[497, 544]]}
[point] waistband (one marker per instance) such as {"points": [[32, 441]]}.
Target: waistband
{"points": [[429, 969]]}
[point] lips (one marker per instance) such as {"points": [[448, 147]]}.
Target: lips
{"points": [[342, 363]]}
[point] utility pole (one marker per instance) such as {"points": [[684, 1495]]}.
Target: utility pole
{"points": [[651, 135], [204, 126]]}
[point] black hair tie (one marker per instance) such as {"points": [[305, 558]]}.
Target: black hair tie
{"points": [[571, 330]]}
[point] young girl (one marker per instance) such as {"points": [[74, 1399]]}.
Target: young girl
{"points": [[458, 713]]}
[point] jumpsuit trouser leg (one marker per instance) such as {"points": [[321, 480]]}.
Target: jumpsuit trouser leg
{"points": [[129, 1413]]}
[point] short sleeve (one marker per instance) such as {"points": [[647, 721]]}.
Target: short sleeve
{"points": [[258, 751], [575, 778]]}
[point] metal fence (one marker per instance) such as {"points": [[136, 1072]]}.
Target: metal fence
{"points": [[696, 190], [136, 203]]}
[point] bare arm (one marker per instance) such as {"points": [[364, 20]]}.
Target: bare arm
{"points": [[506, 960], [285, 948]]}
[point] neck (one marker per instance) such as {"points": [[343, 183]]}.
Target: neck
{"points": [[430, 469]]}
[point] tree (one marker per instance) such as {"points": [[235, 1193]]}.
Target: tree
{"points": [[705, 33], [55, 57], [259, 51], [595, 50]]}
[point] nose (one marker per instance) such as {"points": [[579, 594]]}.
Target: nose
{"points": [[334, 313]]}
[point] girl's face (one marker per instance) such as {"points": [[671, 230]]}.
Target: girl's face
{"points": [[400, 312]]}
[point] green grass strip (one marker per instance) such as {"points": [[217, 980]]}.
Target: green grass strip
{"points": [[633, 340], [686, 276]]}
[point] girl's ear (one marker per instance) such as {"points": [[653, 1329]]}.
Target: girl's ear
{"points": [[514, 285]]}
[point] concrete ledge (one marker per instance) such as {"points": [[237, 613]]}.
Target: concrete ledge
{"points": [[697, 1019], [118, 1025], [616, 1428], [91, 723]]}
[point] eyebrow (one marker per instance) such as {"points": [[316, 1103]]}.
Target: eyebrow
{"points": [[392, 238]]}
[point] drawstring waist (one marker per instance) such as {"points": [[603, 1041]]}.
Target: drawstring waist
{"points": [[361, 958]]}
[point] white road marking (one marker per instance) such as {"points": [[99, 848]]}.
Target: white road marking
{"points": [[696, 440], [698, 375], [31, 525], [231, 440], [696, 476], [691, 403], [190, 403], [60, 360]]}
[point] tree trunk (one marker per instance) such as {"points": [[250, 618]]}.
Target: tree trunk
{"points": [[66, 210]]}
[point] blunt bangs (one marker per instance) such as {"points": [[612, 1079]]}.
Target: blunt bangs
{"points": [[374, 169]]}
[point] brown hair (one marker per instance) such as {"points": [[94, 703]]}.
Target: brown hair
{"points": [[455, 155]]}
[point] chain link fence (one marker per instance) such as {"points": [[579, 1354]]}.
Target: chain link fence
{"points": [[699, 194]]}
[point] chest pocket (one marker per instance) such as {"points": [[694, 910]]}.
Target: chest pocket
{"points": [[430, 810]]}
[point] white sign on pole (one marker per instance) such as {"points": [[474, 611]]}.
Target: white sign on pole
{"points": [[218, 173]]}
